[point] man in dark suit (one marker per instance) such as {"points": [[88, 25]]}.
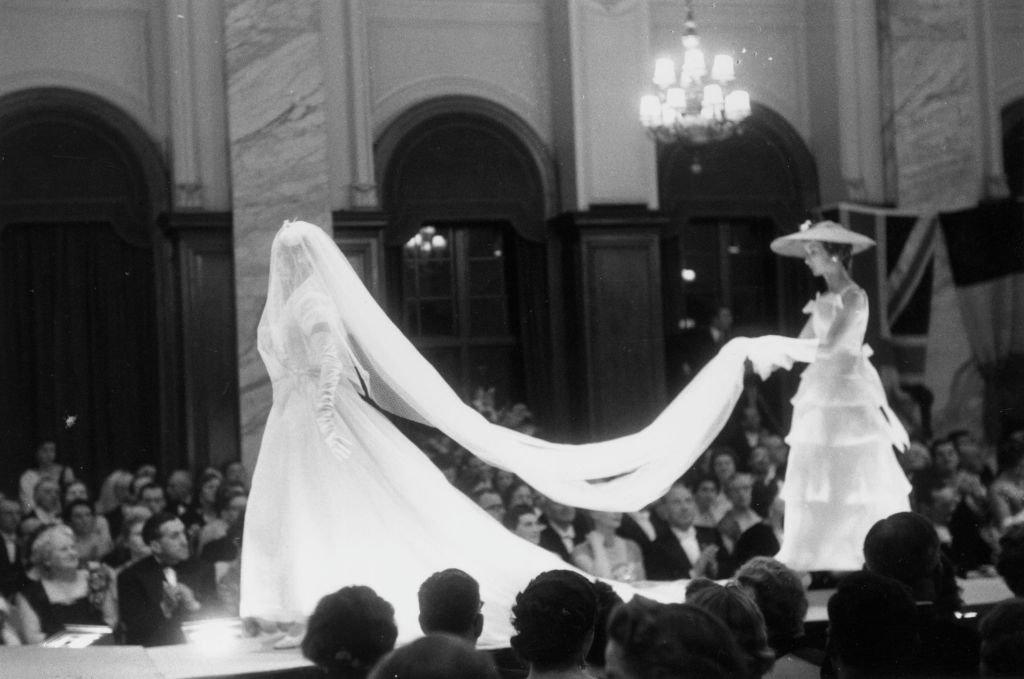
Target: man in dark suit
{"points": [[12, 571], [161, 591], [565, 529], [685, 550]]}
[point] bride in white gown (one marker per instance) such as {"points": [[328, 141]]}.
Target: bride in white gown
{"points": [[340, 496]]}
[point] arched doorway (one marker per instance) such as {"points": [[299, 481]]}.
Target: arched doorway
{"points": [[82, 345], [467, 188], [726, 202]]}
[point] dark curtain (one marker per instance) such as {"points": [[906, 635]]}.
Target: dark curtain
{"points": [[78, 348]]}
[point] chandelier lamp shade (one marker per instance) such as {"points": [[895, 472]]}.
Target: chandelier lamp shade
{"points": [[691, 105]]}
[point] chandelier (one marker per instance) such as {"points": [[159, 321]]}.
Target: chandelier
{"points": [[692, 107], [426, 241]]}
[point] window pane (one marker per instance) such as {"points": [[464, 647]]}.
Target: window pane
{"points": [[487, 317], [435, 274], [485, 242], [437, 318], [486, 277]]}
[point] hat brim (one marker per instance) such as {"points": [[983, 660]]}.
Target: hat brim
{"points": [[794, 244]]}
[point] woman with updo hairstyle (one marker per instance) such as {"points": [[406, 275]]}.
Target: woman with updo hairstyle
{"points": [[349, 631], [650, 640], [554, 619], [738, 610], [63, 593]]}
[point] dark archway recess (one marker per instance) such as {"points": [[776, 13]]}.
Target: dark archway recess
{"points": [[725, 202], [84, 345], [463, 163]]}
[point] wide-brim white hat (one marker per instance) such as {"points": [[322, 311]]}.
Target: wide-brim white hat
{"points": [[793, 245]]}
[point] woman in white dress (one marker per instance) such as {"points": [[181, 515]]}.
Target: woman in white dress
{"points": [[842, 474], [340, 497]]}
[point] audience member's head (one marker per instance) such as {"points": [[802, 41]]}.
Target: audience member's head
{"points": [[76, 490], [131, 537], [936, 498], [46, 495], [705, 492], [519, 494], [649, 640], [779, 595], [1002, 640], [971, 455], [153, 498], [945, 459], [1011, 459], [871, 626], [234, 472], [554, 619], [680, 509], [734, 606], [523, 522], [450, 603], [905, 547], [115, 491], [607, 601], [760, 461], [1010, 564], [53, 553], [490, 501], [559, 514], [436, 656], [209, 484], [740, 489], [165, 534], [723, 464], [46, 453], [349, 631], [80, 517], [179, 487], [10, 515]]}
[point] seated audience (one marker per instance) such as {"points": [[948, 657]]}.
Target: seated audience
{"points": [[235, 473], [745, 533], [685, 551], [711, 505], [204, 508], [782, 600], [564, 529], [92, 537], [450, 604], [12, 567], [46, 502], [649, 640], [737, 609], [436, 656], [159, 592], [1011, 559], [554, 619], [490, 501], [130, 547], [349, 631], [904, 547], [643, 527], [1008, 488], [178, 491], [765, 481], [62, 593], [46, 467], [872, 627], [605, 554], [723, 465], [1002, 640], [523, 522], [936, 501], [519, 494], [503, 480], [153, 497], [778, 455], [115, 498], [76, 490], [230, 507]]}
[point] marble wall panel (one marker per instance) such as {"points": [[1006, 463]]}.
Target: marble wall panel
{"points": [[278, 140]]}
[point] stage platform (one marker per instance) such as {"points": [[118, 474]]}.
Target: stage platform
{"points": [[252, 658]]}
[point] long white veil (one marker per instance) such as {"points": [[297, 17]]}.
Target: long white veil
{"points": [[622, 474]]}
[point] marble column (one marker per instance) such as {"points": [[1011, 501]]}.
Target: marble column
{"points": [[933, 157], [279, 168]]}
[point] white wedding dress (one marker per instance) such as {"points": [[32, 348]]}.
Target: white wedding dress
{"points": [[340, 497], [842, 475]]}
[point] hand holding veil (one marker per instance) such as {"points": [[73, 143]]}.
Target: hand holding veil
{"points": [[622, 474]]}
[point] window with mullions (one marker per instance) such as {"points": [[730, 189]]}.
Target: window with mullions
{"points": [[457, 305]]}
